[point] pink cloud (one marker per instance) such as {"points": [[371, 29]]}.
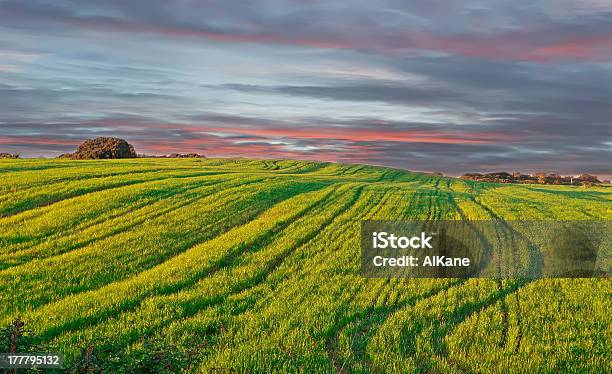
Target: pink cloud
{"points": [[519, 46], [580, 49], [365, 135], [256, 148], [381, 133], [498, 47]]}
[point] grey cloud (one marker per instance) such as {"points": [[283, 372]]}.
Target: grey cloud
{"points": [[559, 111], [380, 92]]}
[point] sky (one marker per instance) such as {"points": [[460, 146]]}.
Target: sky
{"points": [[437, 85]]}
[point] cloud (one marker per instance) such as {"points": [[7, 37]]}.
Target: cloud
{"points": [[318, 26], [415, 146], [451, 86]]}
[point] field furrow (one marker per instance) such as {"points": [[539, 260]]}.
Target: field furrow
{"points": [[255, 265], [247, 269], [144, 246]]}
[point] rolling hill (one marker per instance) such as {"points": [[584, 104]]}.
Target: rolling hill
{"points": [[244, 265]]}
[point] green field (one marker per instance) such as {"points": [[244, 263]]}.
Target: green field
{"points": [[240, 265]]}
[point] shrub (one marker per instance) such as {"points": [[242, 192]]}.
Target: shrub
{"points": [[104, 148], [8, 155]]}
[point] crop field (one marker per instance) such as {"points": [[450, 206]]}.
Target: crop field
{"points": [[212, 265]]}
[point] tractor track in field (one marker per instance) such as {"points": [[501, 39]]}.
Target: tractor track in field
{"points": [[343, 221], [360, 216], [519, 322], [25, 207], [534, 249], [500, 287], [330, 346], [331, 343], [376, 317], [134, 201], [221, 263], [302, 242], [498, 264], [155, 212], [374, 313], [434, 212], [455, 319], [35, 168], [199, 305], [79, 177], [442, 351], [264, 297], [338, 215], [121, 228], [79, 287], [499, 296], [487, 256]]}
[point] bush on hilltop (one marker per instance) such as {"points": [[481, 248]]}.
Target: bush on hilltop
{"points": [[103, 148]]}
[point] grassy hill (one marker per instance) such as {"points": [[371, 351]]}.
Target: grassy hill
{"points": [[254, 265]]}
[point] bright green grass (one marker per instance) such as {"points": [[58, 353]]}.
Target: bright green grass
{"points": [[257, 263]]}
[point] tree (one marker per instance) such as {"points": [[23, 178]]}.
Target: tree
{"points": [[104, 148]]}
